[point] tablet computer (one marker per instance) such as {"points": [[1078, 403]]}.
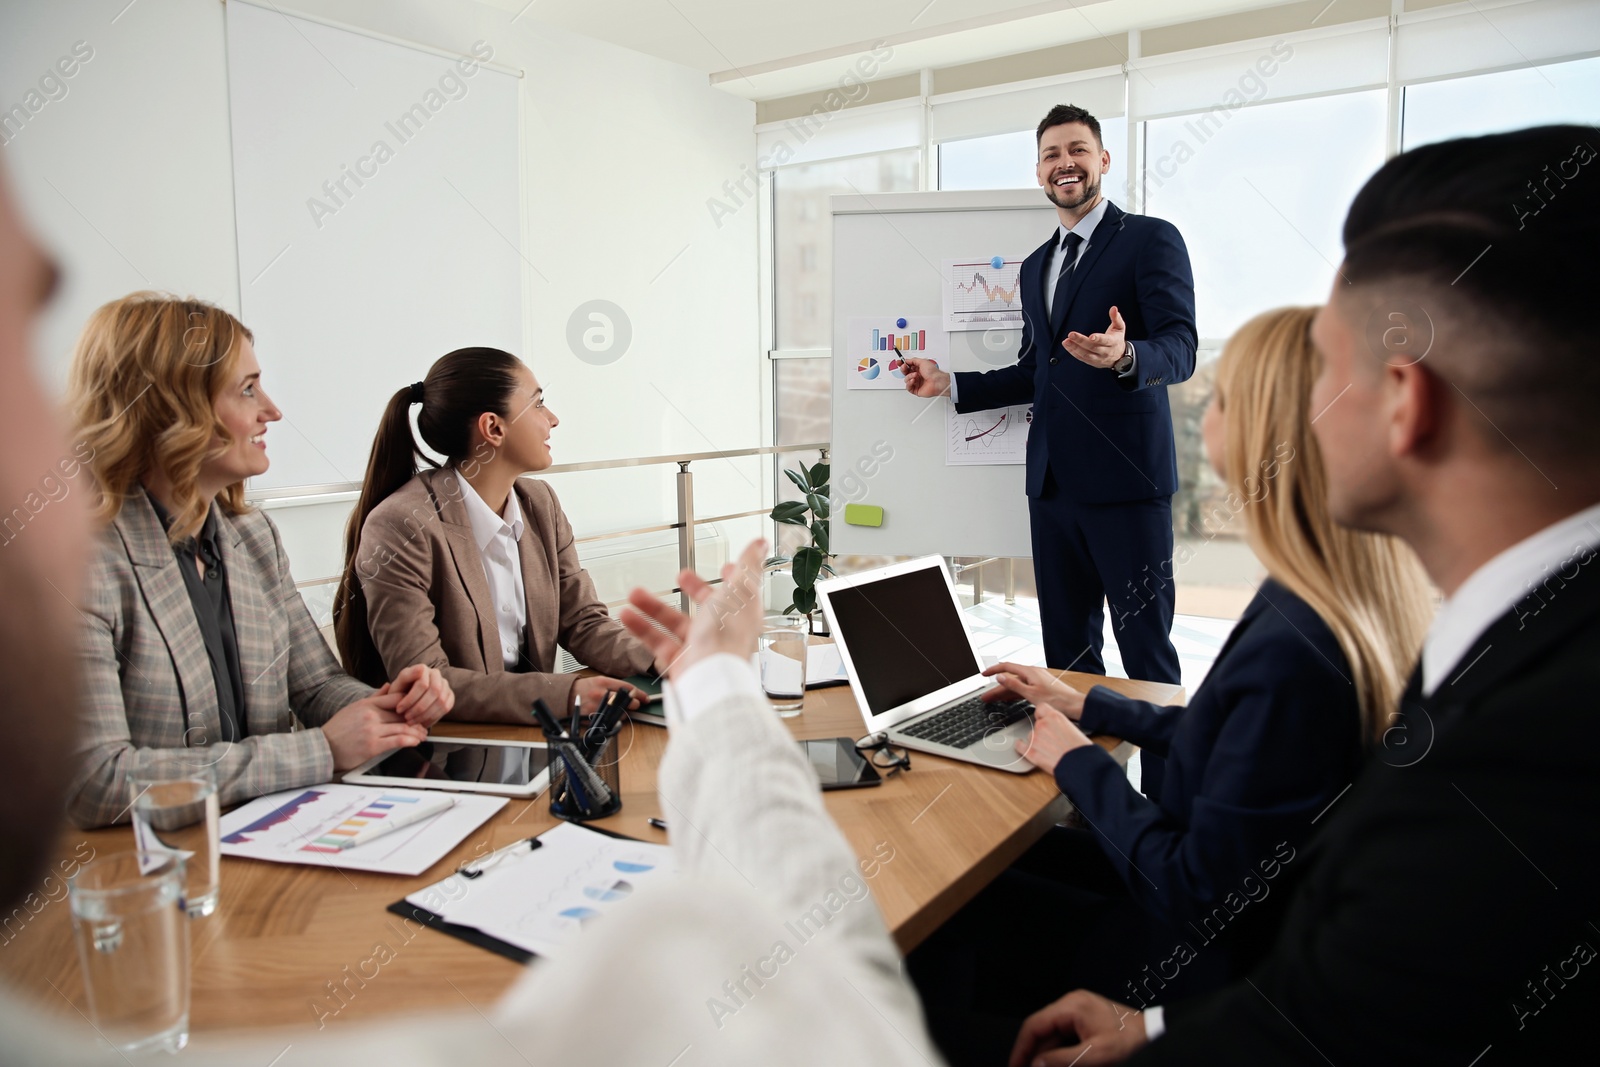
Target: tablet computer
{"points": [[465, 764]]}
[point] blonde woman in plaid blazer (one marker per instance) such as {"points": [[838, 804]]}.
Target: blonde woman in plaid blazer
{"points": [[171, 418]]}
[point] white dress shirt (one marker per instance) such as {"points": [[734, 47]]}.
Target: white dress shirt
{"points": [[1492, 589], [497, 537], [1052, 271]]}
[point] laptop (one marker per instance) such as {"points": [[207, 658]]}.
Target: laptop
{"points": [[914, 669]]}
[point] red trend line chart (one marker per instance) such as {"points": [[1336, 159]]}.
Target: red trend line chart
{"points": [[987, 438], [983, 293]]}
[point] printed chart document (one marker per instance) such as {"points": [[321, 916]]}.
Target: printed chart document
{"points": [[987, 438], [983, 293], [879, 345], [541, 900], [304, 826]]}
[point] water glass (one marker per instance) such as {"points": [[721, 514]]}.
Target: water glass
{"points": [[133, 943], [782, 656], [175, 810]]}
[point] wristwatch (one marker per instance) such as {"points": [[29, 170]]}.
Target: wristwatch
{"points": [[1125, 364]]}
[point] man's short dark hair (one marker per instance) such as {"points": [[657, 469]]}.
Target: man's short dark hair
{"points": [[1496, 239], [1062, 114]]}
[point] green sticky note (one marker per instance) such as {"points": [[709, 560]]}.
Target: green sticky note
{"points": [[863, 515]]}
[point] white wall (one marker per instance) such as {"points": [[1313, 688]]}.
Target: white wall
{"points": [[127, 178]]}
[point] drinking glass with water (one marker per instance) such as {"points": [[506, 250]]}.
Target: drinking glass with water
{"points": [[175, 810], [133, 943]]}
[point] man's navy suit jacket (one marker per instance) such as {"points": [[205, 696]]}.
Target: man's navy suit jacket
{"points": [[1107, 439]]}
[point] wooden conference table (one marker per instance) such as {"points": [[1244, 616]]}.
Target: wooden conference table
{"points": [[282, 931]]}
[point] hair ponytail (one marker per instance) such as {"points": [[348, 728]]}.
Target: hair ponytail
{"points": [[459, 387], [392, 464]]}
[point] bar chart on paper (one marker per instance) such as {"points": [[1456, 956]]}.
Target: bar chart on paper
{"points": [[308, 826], [880, 345]]}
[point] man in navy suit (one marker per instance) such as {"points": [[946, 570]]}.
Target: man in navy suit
{"points": [[1107, 325]]}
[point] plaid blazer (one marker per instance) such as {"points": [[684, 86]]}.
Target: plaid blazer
{"points": [[428, 600], [147, 679]]}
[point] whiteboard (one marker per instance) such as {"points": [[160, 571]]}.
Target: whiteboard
{"points": [[359, 265], [887, 254]]}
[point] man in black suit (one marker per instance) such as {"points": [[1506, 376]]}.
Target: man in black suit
{"points": [[1107, 325], [1450, 912]]}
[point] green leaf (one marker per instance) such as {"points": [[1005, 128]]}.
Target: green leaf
{"points": [[829, 571], [798, 479], [818, 476], [819, 505], [805, 600], [807, 562], [792, 512], [774, 562], [819, 536]]}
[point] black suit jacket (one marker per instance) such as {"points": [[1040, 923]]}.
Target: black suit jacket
{"points": [[1452, 905], [1108, 439]]}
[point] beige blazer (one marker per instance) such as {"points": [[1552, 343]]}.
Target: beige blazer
{"points": [[147, 679], [428, 600]]}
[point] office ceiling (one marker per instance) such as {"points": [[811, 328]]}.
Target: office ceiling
{"points": [[763, 49]]}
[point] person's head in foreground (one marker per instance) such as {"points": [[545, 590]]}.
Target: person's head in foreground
{"points": [[1455, 406], [41, 568]]}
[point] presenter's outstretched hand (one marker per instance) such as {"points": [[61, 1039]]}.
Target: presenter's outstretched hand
{"points": [[729, 619], [1098, 349], [1036, 685], [1082, 1028], [425, 697], [1053, 736], [924, 378], [359, 731]]}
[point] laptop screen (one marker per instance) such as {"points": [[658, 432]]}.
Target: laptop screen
{"points": [[905, 637]]}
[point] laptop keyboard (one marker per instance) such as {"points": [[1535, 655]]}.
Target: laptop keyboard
{"points": [[966, 723]]}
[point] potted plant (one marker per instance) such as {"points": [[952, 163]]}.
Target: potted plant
{"points": [[809, 560]]}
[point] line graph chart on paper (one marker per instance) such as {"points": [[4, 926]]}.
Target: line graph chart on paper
{"points": [[983, 294], [987, 438]]}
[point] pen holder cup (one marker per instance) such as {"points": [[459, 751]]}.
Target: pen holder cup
{"points": [[571, 793]]}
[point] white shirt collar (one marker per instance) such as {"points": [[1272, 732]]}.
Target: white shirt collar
{"points": [[1086, 225], [486, 525], [1493, 588]]}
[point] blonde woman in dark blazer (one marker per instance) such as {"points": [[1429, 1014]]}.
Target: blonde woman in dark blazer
{"points": [[193, 636], [471, 568]]}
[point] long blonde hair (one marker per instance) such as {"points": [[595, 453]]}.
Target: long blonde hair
{"points": [[1369, 588], [141, 392]]}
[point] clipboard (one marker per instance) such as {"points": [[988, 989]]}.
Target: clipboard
{"points": [[470, 934]]}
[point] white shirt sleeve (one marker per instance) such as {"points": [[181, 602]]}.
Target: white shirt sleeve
{"points": [[954, 398], [1155, 1022], [707, 683]]}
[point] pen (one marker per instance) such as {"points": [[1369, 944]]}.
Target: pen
{"points": [[398, 822], [477, 870], [659, 824]]}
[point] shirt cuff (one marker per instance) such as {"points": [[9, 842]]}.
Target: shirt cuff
{"points": [[954, 397], [707, 683], [1155, 1022], [1129, 373]]}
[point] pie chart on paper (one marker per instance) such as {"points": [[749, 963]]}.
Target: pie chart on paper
{"points": [[868, 368]]}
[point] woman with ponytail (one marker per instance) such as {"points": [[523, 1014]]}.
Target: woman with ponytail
{"points": [[471, 567]]}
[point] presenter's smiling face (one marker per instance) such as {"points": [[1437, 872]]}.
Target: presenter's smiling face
{"points": [[1071, 162], [244, 409], [530, 422]]}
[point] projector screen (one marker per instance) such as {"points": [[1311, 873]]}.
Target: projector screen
{"points": [[377, 191]]}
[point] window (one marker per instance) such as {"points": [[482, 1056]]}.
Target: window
{"points": [[1259, 196], [1006, 160], [1505, 100], [802, 233]]}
